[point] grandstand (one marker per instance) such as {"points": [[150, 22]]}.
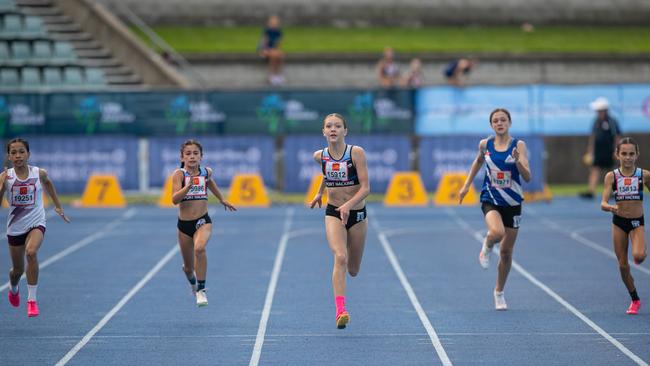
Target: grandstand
{"points": [[43, 46]]}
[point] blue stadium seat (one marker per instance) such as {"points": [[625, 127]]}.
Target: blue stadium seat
{"points": [[95, 77], [30, 77], [20, 51], [4, 51], [7, 5], [52, 76], [72, 76], [9, 78], [63, 51], [12, 25], [34, 26], [42, 50]]}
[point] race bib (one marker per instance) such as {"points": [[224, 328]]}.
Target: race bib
{"points": [[199, 188], [627, 186], [336, 171], [500, 179], [23, 195]]}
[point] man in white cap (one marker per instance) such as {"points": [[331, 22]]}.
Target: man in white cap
{"points": [[602, 144]]}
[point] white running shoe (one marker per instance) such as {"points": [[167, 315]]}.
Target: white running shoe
{"points": [[193, 288], [484, 255], [500, 301], [201, 299]]}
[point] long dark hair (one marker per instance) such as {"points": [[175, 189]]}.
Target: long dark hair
{"points": [[626, 141], [183, 145], [18, 139]]}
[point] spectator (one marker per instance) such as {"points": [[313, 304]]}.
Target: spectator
{"points": [[457, 71], [387, 70], [269, 49], [602, 143], [414, 76]]}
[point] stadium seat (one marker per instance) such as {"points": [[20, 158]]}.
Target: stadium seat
{"points": [[12, 25], [72, 76], [42, 50], [63, 51], [20, 51], [52, 76], [9, 78], [95, 77], [30, 77], [4, 51], [34, 26], [7, 5]]}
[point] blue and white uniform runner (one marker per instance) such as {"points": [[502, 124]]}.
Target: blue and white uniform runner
{"points": [[502, 185]]}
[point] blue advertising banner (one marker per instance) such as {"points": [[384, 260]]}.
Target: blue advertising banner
{"points": [[440, 155], [227, 156], [385, 155], [535, 109], [449, 110], [69, 161], [188, 112]]}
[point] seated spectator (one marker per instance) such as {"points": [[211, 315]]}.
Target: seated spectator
{"points": [[269, 49], [387, 69], [413, 78], [457, 71]]}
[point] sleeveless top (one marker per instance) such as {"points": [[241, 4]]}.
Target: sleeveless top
{"points": [[25, 199], [502, 185], [341, 172], [628, 188], [199, 191]]}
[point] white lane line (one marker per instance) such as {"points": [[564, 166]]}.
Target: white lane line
{"points": [[270, 292], [554, 295], [82, 243], [433, 336], [575, 235], [170, 254], [332, 335]]}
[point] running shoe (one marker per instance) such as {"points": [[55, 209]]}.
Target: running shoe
{"points": [[32, 308], [500, 301], [484, 255], [342, 319], [14, 299], [201, 299], [635, 305]]}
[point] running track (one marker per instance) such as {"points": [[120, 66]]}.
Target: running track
{"points": [[112, 292]]}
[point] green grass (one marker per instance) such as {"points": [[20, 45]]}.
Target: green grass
{"points": [[560, 39]]}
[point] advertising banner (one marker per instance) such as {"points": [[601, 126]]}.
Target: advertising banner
{"points": [[226, 156], [70, 160]]}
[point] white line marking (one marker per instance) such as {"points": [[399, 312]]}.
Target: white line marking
{"points": [[575, 235], [433, 336], [330, 335], [554, 295], [170, 254], [268, 302], [81, 243]]}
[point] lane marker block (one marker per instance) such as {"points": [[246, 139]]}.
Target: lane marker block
{"points": [[448, 188], [247, 190], [103, 191], [406, 189]]}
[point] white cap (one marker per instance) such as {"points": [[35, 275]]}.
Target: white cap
{"points": [[600, 104]]}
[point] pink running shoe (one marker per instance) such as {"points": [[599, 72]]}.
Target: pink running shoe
{"points": [[635, 305], [32, 308], [14, 299]]}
